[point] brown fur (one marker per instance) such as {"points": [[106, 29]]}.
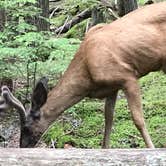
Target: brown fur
{"points": [[112, 57]]}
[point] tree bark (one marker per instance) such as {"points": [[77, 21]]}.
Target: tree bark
{"points": [[126, 6], [2, 19], [41, 23], [82, 157]]}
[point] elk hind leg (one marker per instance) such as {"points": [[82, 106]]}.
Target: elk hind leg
{"points": [[132, 92], [109, 112]]}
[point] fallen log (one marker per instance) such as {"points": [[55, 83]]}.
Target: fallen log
{"points": [[55, 10], [86, 157], [54, 0], [77, 19]]}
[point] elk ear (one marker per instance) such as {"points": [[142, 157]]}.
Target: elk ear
{"points": [[39, 96]]}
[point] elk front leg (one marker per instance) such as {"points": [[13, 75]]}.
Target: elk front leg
{"points": [[132, 92], [109, 112]]}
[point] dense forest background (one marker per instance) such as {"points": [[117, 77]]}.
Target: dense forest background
{"points": [[40, 37]]}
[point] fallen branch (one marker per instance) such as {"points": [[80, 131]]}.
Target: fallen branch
{"points": [[77, 19], [54, 0], [62, 27], [53, 11], [113, 14]]}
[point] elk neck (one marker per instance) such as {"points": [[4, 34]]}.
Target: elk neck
{"points": [[71, 88]]}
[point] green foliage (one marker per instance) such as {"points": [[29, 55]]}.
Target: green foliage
{"points": [[141, 2], [71, 6], [20, 43], [62, 51], [19, 8], [78, 31], [58, 20], [82, 126], [52, 56], [70, 9], [21, 46], [157, 128]]}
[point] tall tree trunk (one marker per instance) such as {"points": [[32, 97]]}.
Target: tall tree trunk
{"points": [[40, 21], [2, 19], [42, 24], [126, 6]]}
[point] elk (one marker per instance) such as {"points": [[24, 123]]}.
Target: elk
{"points": [[111, 57]]}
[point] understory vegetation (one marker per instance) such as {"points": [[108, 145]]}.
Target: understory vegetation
{"points": [[26, 55]]}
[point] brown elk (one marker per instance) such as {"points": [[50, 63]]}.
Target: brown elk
{"points": [[111, 57]]}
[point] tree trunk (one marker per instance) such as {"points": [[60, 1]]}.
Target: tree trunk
{"points": [[40, 21], [43, 25], [2, 19], [126, 6]]}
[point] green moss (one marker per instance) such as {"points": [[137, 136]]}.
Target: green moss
{"points": [[72, 5], [78, 31], [157, 129], [141, 2], [58, 20]]}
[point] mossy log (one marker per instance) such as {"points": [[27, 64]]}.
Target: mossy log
{"points": [[86, 157], [77, 19]]}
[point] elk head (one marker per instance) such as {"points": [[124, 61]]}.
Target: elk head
{"points": [[29, 118]]}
